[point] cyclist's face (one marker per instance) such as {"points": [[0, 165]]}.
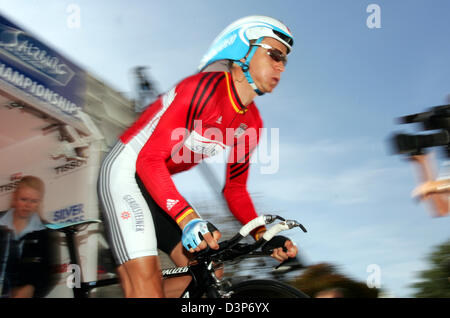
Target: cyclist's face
{"points": [[265, 71], [26, 201]]}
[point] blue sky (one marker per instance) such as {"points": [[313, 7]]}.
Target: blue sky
{"points": [[334, 108]]}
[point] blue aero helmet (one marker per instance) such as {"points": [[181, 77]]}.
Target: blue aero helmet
{"points": [[233, 43]]}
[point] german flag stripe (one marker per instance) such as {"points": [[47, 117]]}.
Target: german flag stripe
{"points": [[232, 95], [182, 211], [236, 96], [185, 214]]}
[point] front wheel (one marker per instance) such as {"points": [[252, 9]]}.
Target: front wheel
{"points": [[264, 288]]}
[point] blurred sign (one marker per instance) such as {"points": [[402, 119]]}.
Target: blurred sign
{"points": [[38, 71]]}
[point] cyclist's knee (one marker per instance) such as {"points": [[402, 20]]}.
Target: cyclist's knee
{"points": [[146, 267], [144, 273]]}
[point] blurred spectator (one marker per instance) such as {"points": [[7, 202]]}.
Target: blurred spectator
{"points": [[25, 252], [331, 293]]}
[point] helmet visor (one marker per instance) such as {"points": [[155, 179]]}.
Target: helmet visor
{"points": [[284, 37]]}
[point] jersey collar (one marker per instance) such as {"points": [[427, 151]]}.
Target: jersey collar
{"points": [[233, 96]]}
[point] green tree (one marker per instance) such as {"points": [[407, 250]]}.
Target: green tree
{"points": [[435, 281]]}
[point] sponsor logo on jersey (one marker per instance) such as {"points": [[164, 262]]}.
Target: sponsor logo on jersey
{"points": [[201, 145], [240, 130], [125, 215], [171, 203], [138, 214]]}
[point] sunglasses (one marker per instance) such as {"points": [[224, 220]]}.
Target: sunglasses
{"points": [[275, 54]]}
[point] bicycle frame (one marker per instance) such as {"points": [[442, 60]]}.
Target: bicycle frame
{"points": [[198, 272], [201, 269], [85, 287]]}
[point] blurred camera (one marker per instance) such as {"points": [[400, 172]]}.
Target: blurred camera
{"points": [[436, 118]]}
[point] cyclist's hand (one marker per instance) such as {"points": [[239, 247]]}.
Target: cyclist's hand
{"points": [[199, 234], [281, 247], [281, 255]]}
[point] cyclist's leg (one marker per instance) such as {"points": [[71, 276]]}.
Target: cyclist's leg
{"points": [[174, 287], [168, 236], [144, 278], [129, 224], [125, 282]]}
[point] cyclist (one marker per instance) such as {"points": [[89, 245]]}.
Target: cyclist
{"points": [[200, 117]]}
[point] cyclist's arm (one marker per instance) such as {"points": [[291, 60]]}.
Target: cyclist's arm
{"points": [[238, 198], [237, 172], [242, 207], [151, 162], [236, 193]]}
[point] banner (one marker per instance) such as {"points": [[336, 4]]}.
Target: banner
{"points": [[39, 72]]}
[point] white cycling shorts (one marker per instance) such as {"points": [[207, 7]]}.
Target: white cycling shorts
{"points": [[128, 219]]}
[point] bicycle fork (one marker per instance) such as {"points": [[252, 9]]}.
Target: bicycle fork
{"points": [[217, 287]]}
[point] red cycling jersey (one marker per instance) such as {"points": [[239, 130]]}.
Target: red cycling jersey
{"points": [[200, 117]]}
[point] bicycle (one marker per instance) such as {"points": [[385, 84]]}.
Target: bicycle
{"points": [[203, 265]]}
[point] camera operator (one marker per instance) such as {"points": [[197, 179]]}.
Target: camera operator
{"points": [[432, 187], [436, 190]]}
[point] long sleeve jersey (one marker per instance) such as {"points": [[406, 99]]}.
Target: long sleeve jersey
{"points": [[200, 117]]}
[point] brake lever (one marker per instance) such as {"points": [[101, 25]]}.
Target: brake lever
{"points": [[292, 223], [270, 218]]}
